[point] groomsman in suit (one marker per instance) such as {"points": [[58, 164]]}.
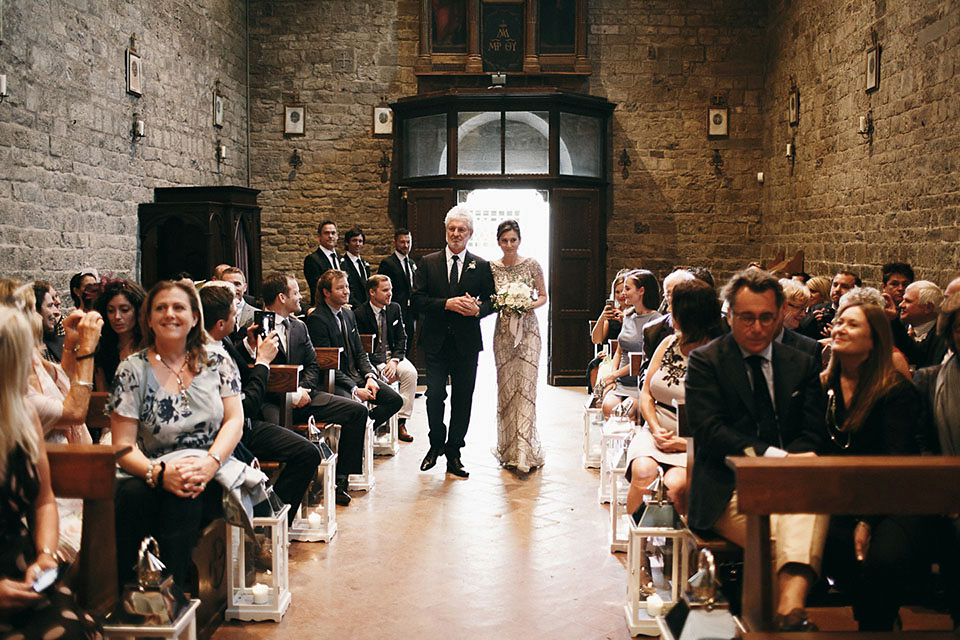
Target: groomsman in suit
{"points": [[265, 440], [356, 268], [452, 291], [400, 268], [281, 295], [245, 307], [748, 394], [382, 318], [332, 324], [325, 257]]}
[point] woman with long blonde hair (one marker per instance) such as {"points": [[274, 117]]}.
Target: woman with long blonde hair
{"points": [[28, 518]]}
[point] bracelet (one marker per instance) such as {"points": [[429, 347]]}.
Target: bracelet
{"points": [[163, 467], [84, 357], [149, 477], [84, 383], [46, 550], [216, 456]]}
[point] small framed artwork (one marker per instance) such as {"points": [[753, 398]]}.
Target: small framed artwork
{"points": [[793, 112], [717, 122], [217, 109], [873, 68], [134, 73], [294, 116], [382, 121]]}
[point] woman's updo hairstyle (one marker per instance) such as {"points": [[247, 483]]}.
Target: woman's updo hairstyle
{"points": [[508, 225]]}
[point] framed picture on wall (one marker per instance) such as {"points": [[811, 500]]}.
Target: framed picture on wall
{"points": [[873, 68], [217, 109], [717, 122], [793, 111], [134, 73], [382, 121], [294, 116]]}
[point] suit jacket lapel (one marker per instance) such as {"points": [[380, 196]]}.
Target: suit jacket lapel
{"points": [[732, 365], [785, 369]]}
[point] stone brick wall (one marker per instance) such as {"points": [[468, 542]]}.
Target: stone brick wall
{"points": [[72, 179], [662, 62], [339, 58], [846, 202]]}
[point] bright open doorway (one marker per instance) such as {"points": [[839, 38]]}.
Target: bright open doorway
{"points": [[531, 209]]}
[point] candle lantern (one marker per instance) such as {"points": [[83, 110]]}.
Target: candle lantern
{"points": [[702, 612], [364, 480], [592, 428], [316, 519], [264, 593], [386, 442]]}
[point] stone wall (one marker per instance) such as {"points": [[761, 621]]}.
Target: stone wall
{"points": [[847, 202], [339, 58], [72, 178], [662, 62]]}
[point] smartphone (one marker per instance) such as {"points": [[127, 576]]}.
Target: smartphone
{"points": [[46, 579], [266, 320], [609, 302]]}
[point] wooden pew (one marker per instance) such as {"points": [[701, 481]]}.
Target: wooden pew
{"points": [[366, 339], [89, 472], [285, 379], [852, 485]]}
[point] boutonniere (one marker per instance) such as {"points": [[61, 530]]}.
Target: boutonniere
{"points": [[472, 265]]}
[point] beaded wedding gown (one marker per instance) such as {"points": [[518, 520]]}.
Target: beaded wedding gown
{"points": [[516, 351]]}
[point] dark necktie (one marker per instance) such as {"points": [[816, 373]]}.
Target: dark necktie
{"points": [[347, 354], [286, 337], [406, 270], [454, 279], [767, 429], [382, 337], [334, 263]]}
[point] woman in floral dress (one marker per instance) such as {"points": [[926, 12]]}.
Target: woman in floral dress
{"points": [[516, 350]]}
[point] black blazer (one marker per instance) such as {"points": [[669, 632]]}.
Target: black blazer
{"points": [[253, 381], [402, 293], [722, 415], [299, 351], [431, 291], [313, 267], [803, 343], [325, 332], [396, 331], [357, 281]]}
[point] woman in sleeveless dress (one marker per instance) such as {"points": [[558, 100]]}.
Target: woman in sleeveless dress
{"points": [[516, 350]]}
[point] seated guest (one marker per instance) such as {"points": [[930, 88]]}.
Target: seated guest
{"points": [[918, 312], [823, 313], [332, 324], [872, 409], [59, 393], [119, 303], [796, 297], [245, 304], [939, 386], [749, 395], [83, 288], [30, 529], [383, 318], [48, 306], [896, 276], [872, 297], [643, 294], [609, 323], [656, 330], [180, 392], [696, 321], [819, 287], [281, 295], [265, 440]]}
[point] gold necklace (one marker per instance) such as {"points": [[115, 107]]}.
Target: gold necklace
{"points": [[176, 374]]}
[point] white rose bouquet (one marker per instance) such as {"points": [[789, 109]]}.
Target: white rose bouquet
{"points": [[515, 297]]}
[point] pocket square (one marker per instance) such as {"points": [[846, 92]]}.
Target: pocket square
{"points": [[395, 322], [795, 394]]}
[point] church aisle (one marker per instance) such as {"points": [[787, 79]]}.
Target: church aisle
{"points": [[427, 556]]}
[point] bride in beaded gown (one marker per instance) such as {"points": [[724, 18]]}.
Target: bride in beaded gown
{"points": [[516, 351]]}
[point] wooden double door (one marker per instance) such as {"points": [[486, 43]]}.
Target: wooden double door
{"points": [[577, 267]]}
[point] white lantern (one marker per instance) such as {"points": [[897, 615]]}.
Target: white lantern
{"points": [[264, 592]]}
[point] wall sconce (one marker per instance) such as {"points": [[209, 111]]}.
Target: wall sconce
{"points": [[295, 160], [717, 162], [791, 151], [624, 163], [759, 177], [221, 152], [3, 87], [384, 165], [865, 126], [138, 128]]}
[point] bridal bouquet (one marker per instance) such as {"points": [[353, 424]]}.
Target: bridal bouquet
{"points": [[515, 297]]}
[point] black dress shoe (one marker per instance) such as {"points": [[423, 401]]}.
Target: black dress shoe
{"points": [[341, 496], [796, 620], [430, 460], [456, 468]]}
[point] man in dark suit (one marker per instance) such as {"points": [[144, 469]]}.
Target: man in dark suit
{"points": [[400, 268], [918, 312], [749, 395], [382, 318], [452, 291], [356, 268], [325, 257], [281, 295], [332, 324], [265, 440]]}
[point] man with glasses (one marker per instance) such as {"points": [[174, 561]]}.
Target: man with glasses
{"points": [[749, 395]]}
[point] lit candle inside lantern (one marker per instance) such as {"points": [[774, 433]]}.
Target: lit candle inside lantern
{"points": [[315, 520], [654, 605], [261, 593]]}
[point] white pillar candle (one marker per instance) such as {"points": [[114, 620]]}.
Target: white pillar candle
{"points": [[789, 149], [315, 520], [654, 605], [3, 84], [261, 593]]}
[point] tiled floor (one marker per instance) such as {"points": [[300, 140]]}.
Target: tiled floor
{"points": [[427, 556]]}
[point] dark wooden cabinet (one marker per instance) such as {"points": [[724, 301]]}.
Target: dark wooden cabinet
{"points": [[193, 229]]}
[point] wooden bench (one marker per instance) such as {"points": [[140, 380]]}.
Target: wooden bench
{"points": [[89, 472], [853, 485]]}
